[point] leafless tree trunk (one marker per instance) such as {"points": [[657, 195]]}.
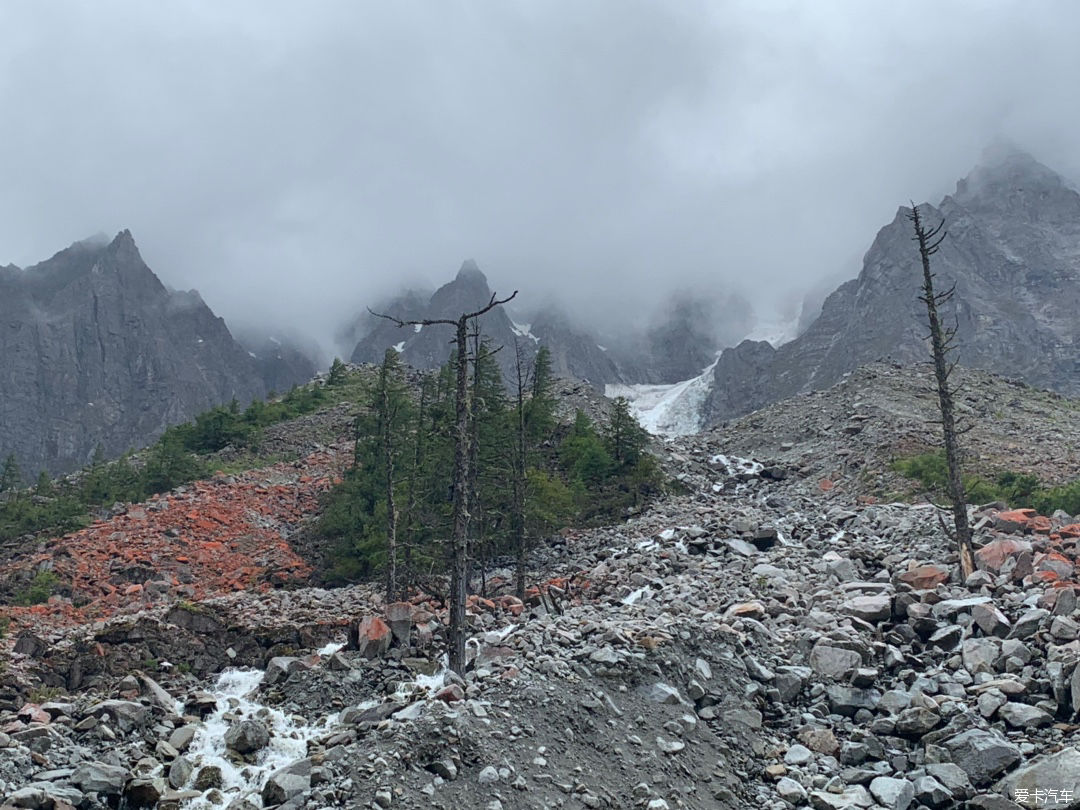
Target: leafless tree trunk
{"points": [[459, 551], [941, 343], [459, 541]]}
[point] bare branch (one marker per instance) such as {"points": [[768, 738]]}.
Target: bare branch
{"points": [[490, 306], [424, 322]]}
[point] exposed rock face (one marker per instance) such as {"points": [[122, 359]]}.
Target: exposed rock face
{"points": [[430, 346], [742, 380], [95, 350], [280, 364], [676, 347], [573, 353], [1013, 252]]}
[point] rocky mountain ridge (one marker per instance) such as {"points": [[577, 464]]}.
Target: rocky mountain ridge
{"points": [[1013, 253], [95, 350], [682, 339]]}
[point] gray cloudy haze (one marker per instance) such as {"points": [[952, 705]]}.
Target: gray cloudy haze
{"points": [[297, 161]]}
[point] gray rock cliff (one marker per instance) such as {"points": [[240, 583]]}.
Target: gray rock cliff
{"points": [[1013, 252], [574, 353], [95, 350]]}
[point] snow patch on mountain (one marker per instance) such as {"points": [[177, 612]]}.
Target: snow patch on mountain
{"points": [[667, 410], [523, 330]]}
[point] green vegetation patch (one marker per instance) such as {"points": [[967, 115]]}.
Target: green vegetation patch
{"points": [[178, 457], [1019, 490]]}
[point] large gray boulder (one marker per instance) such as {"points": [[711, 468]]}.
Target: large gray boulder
{"points": [[895, 794], [982, 754], [833, 663], [247, 736], [125, 714], [97, 777], [287, 783]]}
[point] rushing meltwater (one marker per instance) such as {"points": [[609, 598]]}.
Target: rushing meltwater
{"points": [[289, 736], [236, 693]]}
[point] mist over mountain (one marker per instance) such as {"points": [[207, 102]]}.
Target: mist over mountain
{"points": [[95, 350], [681, 338], [282, 360], [1013, 254]]}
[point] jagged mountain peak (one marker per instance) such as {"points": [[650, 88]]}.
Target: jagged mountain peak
{"points": [[1012, 253], [123, 241], [94, 349], [470, 272], [1010, 179]]}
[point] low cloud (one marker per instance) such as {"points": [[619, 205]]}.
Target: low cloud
{"points": [[297, 162]]}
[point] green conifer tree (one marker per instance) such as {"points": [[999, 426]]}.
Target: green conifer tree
{"points": [[10, 475]]}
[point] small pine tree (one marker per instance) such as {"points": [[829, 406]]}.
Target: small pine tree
{"points": [[10, 475], [624, 437], [540, 409]]}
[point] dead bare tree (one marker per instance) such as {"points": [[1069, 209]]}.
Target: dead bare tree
{"points": [[941, 343], [459, 550]]}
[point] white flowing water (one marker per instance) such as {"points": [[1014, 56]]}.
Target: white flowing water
{"points": [[289, 736]]}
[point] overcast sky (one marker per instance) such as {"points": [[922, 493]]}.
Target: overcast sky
{"points": [[295, 161]]}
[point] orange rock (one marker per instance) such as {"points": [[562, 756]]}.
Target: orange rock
{"points": [[993, 554], [1059, 564], [370, 636], [32, 713], [450, 694], [925, 577], [1015, 520], [1040, 524]]}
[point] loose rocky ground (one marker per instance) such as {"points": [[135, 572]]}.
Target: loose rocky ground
{"points": [[760, 642], [847, 435]]}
